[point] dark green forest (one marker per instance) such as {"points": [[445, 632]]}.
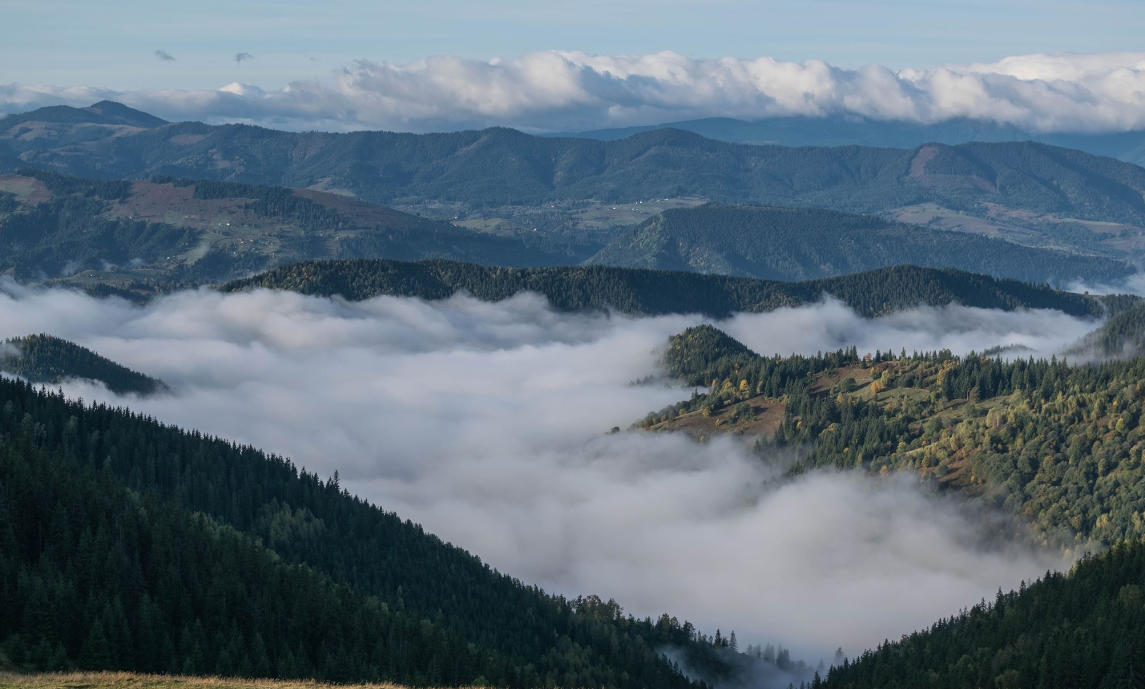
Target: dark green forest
{"points": [[47, 359], [651, 292], [1123, 335], [1084, 629], [806, 243], [127, 544]]}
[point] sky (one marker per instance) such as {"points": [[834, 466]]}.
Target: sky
{"points": [[441, 65], [112, 44]]}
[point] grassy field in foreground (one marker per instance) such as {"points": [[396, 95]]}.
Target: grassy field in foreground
{"points": [[100, 680]]}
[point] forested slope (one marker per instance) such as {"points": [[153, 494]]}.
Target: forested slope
{"points": [[805, 243], [652, 292], [1123, 335], [1084, 629], [1058, 445], [48, 359], [126, 544]]}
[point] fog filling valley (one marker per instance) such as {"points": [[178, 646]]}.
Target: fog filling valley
{"points": [[487, 424]]}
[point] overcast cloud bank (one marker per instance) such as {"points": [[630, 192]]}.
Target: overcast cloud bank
{"points": [[485, 422], [566, 91]]}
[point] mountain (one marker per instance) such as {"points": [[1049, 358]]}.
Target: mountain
{"points": [[47, 359], [1082, 629], [126, 544], [117, 232], [502, 167], [77, 129], [103, 113], [652, 292], [805, 243], [828, 131]]}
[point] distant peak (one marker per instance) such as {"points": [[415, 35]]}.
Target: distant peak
{"points": [[126, 115]]}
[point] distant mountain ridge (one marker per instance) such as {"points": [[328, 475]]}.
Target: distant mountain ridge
{"points": [[502, 167], [832, 131], [775, 243], [105, 112]]}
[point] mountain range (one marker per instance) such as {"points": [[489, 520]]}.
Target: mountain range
{"points": [[1033, 192], [1128, 146], [134, 235]]}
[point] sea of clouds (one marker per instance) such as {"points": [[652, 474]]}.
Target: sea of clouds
{"points": [[487, 424], [565, 91]]}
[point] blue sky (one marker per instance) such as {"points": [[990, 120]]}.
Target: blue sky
{"points": [[112, 43]]}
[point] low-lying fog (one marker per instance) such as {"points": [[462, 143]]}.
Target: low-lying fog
{"points": [[486, 422]]}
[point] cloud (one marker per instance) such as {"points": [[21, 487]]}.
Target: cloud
{"points": [[562, 90], [485, 422], [164, 55], [243, 56]]}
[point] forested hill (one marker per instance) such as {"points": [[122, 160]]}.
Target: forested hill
{"points": [[1123, 335], [1057, 445], [653, 292], [804, 243], [1085, 629], [47, 359], [503, 167], [127, 544]]}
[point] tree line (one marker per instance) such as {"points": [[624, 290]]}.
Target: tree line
{"points": [[651, 292]]}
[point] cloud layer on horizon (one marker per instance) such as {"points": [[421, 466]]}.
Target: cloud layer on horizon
{"points": [[568, 91]]}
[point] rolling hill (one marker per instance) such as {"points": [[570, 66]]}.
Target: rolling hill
{"points": [[652, 292], [1055, 444], [804, 243], [47, 359], [134, 234], [117, 232]]}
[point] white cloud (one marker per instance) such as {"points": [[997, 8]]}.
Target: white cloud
{"points": [[485, 423], [558, 90]]}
